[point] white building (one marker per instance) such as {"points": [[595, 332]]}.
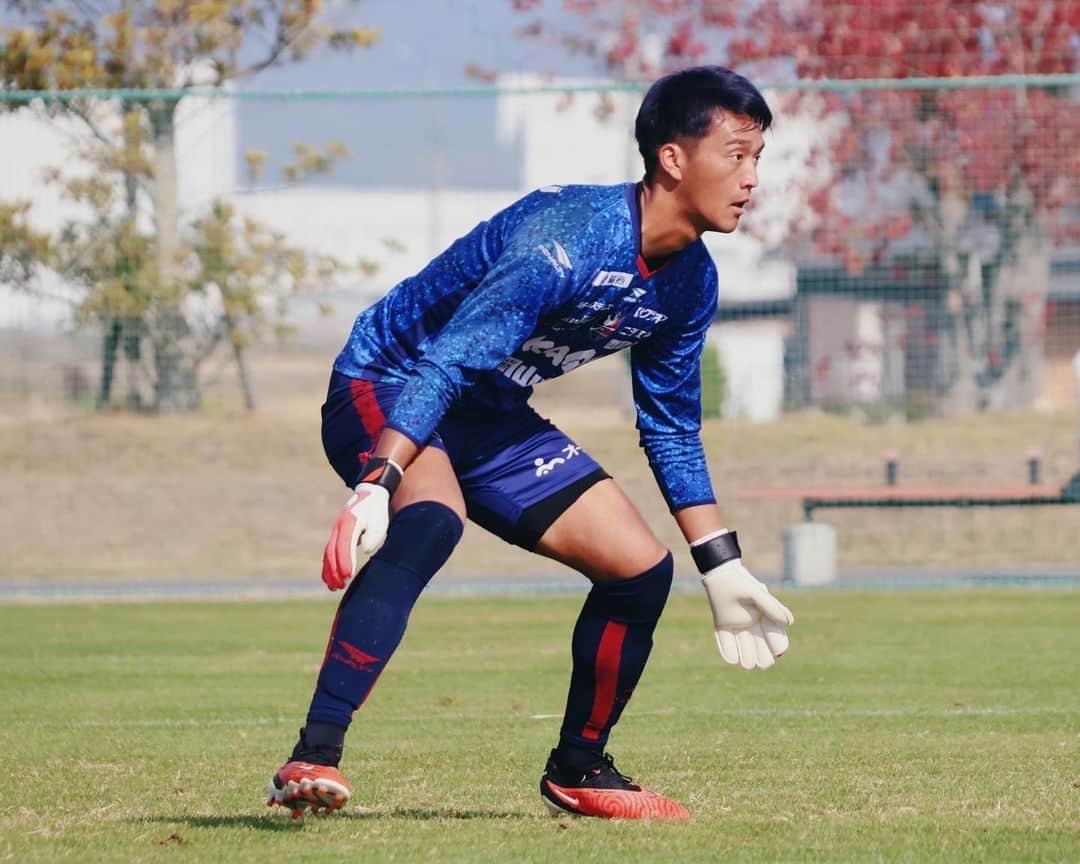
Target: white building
{"points": [[557, 138]]}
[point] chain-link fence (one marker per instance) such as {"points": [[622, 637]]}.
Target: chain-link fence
{"points": [[911, 255], [914, 250]]}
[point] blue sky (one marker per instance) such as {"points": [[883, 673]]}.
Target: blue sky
{"points": [[425, 44]]}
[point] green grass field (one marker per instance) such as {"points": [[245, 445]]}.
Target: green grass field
{"points": [[902, 727]]}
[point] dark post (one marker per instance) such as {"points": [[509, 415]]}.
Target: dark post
{"points": [[1034, 462], [892, 467]]}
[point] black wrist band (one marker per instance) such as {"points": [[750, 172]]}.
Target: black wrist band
{"points": [[717, 551], [381, 472]]}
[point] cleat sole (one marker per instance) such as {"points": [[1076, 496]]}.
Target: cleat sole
{"points": [[319, 794]]}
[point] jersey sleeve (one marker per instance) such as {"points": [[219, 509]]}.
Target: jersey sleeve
{"points": [[666, 373], [531, 275]]}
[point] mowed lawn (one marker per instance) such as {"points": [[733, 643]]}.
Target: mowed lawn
{"points": [[902, 727]]}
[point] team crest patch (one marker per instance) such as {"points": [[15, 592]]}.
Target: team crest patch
{"points": [[608, 327]]}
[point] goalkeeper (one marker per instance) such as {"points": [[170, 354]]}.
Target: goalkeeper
{"points": [[427, 420]]}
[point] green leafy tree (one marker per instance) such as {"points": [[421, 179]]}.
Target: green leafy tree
{"points": [[139, 276]]}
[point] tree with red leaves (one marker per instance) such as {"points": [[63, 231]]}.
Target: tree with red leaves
{"points": [[976, 182]]}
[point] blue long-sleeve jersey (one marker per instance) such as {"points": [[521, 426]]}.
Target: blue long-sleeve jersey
{"points": [[551, 282]]}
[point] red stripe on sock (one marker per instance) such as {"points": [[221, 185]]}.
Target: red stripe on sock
{"points": [[607, 676]]}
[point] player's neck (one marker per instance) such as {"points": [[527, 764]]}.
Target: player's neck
{"points": [[665, 228]]}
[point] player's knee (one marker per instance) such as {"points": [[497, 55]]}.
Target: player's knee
{"points": [[639, 599], [422, 536]]}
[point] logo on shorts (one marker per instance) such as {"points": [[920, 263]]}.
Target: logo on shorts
{"points": [[545, 467]]}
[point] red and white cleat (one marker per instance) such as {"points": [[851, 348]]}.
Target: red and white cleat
{"points": [[299, 785], [603, 792]]}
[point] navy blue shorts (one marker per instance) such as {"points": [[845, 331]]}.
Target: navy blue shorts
{"points": [[518, 472]]}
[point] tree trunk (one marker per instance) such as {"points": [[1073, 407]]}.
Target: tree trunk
{"points": [[247, 385], [110, 341], [1017, 346], [176, 388], [957, 363], [251, 399], [998, 310]]}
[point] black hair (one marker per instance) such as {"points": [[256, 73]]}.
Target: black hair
{"points": [[684, 104]]}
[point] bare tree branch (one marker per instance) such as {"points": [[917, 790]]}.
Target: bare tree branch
{"points": [[282, 43], [83, 114]]}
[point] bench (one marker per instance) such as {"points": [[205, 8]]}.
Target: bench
{"points": [[810, 547], [815, 497], [1030, 494]]}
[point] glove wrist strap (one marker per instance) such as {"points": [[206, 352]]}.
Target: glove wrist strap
{"points": [[716, 551], [382, 472]]}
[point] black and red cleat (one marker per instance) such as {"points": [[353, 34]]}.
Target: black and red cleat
{"points": [[600, 790], [300, 785]]}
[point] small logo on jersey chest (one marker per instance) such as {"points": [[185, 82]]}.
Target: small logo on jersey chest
{"points": [[613, 277], [556, 257]]}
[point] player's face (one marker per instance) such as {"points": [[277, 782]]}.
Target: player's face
{"points": [[721, 172]]}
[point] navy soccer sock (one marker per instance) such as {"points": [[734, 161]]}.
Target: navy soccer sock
{"points": [[612, 640], [372, 615]]}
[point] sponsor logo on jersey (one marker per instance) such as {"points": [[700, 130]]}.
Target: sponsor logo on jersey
{"points": [[608, 327], [574, 323], [617, 344], [556, 257], [561, 356], [650, 315], [519, 372], [635, 295], [613, 277]]}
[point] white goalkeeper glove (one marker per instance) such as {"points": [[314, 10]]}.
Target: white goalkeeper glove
{"points": [[361, 527], [750, 623]]}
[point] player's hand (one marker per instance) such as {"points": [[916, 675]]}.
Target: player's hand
{"points": [[750, 623], [361, 526]]}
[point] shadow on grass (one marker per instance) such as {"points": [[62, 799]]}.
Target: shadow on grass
{"points": [[424, 815], [268, 822], [279, 821]]}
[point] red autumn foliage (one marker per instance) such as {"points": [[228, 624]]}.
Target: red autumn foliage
{"points": [[978, 180], [969, 141]]}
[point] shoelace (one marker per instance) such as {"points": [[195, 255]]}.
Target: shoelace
{"points": [[608, 761]]}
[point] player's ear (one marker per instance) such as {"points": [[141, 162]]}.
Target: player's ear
{"points": [[671, 158]]}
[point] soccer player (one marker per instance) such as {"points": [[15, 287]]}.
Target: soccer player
{"points": [[427, 420]]}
